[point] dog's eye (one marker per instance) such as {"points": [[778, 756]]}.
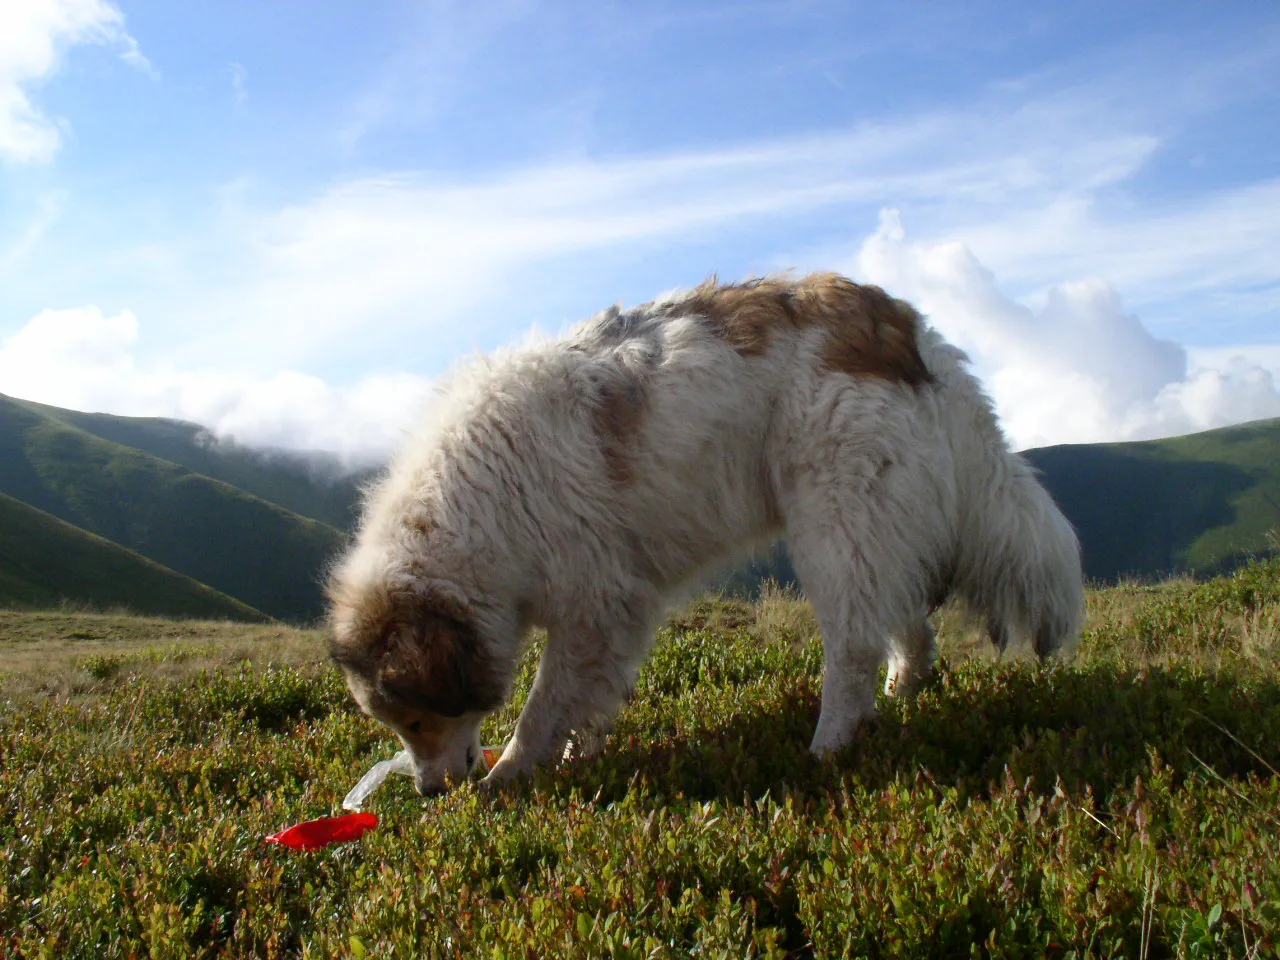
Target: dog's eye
{"points": [[415, 727]]}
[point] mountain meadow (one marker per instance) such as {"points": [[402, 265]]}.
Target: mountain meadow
{"points": [[1122, 803], [44, 561], [165, 704]]}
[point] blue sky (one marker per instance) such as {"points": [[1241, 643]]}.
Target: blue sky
{"points": [[284, 219]]}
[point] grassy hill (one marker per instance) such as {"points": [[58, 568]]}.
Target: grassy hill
{"points": [[1123, 804], [1200, 504], [239, 544], [310, 485], [44, 561]]}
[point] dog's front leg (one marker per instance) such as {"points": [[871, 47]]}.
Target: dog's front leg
{"points": [[543, 728], [585, 675]]}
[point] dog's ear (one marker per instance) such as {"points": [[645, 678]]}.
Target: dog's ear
{"points": [[432, 656]]}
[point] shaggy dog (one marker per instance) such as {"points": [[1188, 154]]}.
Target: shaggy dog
{"points": [[579, 484]]}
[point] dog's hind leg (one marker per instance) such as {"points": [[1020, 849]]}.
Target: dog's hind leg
{"points": [[840, 583], [855, 541], [912, 653]]}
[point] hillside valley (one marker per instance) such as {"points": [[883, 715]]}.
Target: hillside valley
{"points": [[258, 528]]}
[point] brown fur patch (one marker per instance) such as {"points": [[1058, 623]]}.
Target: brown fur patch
{"points": [[414, 650], [745, 315], [618, 413], [869, 334]]}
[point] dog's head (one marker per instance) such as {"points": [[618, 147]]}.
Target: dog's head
{"points": [[414, 659]]}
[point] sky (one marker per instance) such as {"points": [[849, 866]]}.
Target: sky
{"points": [[285, 220]]}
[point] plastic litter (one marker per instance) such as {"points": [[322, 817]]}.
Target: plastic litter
{"points": [[402, 764], [317, 834]]}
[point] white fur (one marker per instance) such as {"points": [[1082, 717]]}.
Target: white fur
{"points": [[891, 496]]}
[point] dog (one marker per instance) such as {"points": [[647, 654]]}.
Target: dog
{"points": [[579, 484]]}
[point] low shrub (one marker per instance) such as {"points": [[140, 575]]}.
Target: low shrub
{"points": [[1121, 804]]}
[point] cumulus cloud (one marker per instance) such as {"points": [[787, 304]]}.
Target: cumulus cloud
{"points": [[1078, 368], [33, 36], [83, 359]]}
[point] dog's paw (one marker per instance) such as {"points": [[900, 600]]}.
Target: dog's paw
{"points": [[502, 773]]}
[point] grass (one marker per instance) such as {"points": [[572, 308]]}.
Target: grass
{"points": [[1122, 804], [82, 655]]}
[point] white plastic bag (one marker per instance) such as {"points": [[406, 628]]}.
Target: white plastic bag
{"points": [[401, 763]]}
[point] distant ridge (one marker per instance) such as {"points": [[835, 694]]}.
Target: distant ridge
{"points": [[250, 524], [237, 543], [312, 485], [44, 561], [1201, 504]]}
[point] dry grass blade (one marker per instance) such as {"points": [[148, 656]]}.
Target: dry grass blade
{"points": [[1236, 740]]}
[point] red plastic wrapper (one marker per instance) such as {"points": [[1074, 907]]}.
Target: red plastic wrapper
{"points": [[318, 834]]}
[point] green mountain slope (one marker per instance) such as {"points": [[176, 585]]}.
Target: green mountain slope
{"points": [[311, 485], [237, 543], [1201, 503], [44, 561]]}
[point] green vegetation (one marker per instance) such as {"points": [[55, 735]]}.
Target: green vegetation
{"points": [[214, 533], [63, 654], [1123, 804], [1200, 504], [44, 562]]}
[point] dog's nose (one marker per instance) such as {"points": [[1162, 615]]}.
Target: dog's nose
{"points": [[435, 790]]}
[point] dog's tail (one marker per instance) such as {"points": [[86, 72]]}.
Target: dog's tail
{"points": [[1018, 558]]}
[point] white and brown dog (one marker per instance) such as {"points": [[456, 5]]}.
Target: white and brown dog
{"points": [[579, 484]]}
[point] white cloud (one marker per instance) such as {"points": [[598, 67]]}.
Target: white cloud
{"points": [[1079, 369], [1266, 356], [379, 267], [1218, 243], [84, 360], [33, 36], [376, 259]]}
